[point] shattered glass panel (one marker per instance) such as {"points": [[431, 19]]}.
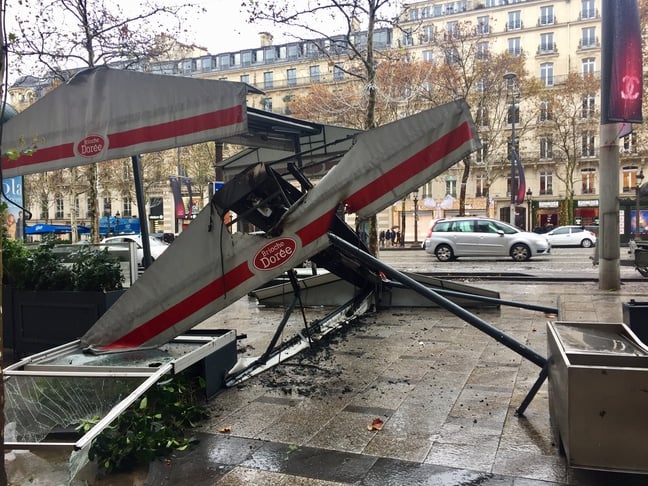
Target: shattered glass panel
{"points": [[40, 406]]}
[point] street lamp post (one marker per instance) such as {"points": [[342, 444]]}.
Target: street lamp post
{"points": [[529, 193], [510, 88], [640, 178]]}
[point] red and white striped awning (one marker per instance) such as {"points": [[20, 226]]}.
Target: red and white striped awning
{"points": [[103, 114]]}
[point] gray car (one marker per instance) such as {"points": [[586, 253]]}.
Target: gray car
{"points": [[476, 237]]}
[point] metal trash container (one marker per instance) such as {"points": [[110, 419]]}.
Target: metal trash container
{"points": [[635, 316], [598, 377]]}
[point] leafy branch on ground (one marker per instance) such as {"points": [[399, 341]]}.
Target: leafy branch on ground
{"points": [[151, 428]]}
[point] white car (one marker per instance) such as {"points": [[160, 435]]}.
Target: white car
{"points": [[477, 237], [157, 246], [571, 236]]}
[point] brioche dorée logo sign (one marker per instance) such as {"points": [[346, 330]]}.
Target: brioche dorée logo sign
{"points": [[91, 146], [275, 253]]}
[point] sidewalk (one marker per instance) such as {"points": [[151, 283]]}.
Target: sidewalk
{"points": [[445, 391]]}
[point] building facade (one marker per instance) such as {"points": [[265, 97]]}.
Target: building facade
{"points": [[555, 37]]}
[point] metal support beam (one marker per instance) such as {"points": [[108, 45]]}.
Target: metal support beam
{"points": [[497, 334]]}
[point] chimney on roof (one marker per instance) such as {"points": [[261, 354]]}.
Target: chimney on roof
{"points": [[266, 39]]}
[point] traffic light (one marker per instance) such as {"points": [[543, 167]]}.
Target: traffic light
{"points": [[622, 73]]}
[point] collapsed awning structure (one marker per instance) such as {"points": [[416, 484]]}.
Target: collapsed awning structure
{"points": [[211, 266]]}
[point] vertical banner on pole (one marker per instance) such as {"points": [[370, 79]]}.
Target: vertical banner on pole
{"points": [[622, 73]]}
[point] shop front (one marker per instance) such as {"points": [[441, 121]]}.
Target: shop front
{"points": [[586, 212]]}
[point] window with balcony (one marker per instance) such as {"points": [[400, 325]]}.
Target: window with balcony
{"points": [[514, 20], [629, 143], [59, 206], [291, 77], [481, 185], [482, 51], [588, 65], [452, 56], [452, 30], [587, 144], [587, 9], [481, 116], [451, 185], [44, 207], [407, 38], [546, 182], [127, 207], [428, 34], [546, 43], [107, 206], [545, 110], [589, 107], [546, 147], [546, 15], [338, 72], [483, 25], [314, 72], [268, 80], [514, 46], [546, 73], [587, 180], [629, 174], [588, 37], [481, 153]]}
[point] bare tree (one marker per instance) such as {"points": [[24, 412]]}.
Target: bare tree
{"points": [[95, 33], [359, 20], [400, 84], [464, 67], [569, 128]]}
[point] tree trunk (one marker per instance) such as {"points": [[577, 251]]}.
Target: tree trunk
{"points": [[462, 189], [94, 204]]}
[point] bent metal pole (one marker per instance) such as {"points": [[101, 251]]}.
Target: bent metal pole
{"points": [[497, 334]]}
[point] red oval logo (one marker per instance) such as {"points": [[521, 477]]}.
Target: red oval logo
{"points": [[91, 146], [275, 253]]}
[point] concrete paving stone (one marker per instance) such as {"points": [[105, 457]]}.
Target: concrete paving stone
{"points": [[466, 430], [398, 444], [382, 394], [390, 472], [309, 462], [495, 374], [249, 421], [347, 431], [475, 456], [531, 465]]}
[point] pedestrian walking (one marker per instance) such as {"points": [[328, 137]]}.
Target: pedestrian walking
{"points": [[388, 236], [381, 238]]}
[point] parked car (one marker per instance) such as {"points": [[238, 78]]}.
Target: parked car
{"points": [[571, 236], [474, 237], [157, 245]]}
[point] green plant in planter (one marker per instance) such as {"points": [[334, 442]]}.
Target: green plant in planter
{"points": [[42, 269]]}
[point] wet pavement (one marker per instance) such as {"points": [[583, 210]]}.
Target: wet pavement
{"points": [[445, 392]]}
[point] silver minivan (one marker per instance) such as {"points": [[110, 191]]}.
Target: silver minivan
{"points": [[476, 237]]}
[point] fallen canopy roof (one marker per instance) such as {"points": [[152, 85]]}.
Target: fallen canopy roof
{"points": [[212, 268], [103, 114]]}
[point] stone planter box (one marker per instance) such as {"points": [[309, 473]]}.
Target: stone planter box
{"points": [[35, 321]]}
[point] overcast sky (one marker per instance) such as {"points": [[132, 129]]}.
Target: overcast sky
{"points": [[224, 27]]}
